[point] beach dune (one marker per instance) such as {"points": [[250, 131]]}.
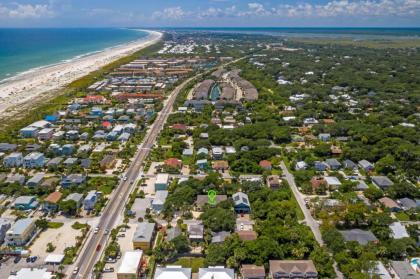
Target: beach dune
{"points": [[28, 86]]}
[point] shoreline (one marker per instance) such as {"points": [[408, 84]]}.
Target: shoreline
{"points": [[28, 85]]}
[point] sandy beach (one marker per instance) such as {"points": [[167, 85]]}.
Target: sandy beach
{"points": [[30, 85]]}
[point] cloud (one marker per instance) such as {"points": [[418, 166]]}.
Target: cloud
{"points": [[173, 13], [25, 11], [331, 9]]}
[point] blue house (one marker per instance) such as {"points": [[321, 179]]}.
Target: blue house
{"points": [[324, 137], [51, 118], [90, 200], [25, 203], [202, 164], [320, 166], [72, 179], [68, 149], [13, 160], [111, 136], [241, 203], [34, 160], [96, 111], [29, 132]]}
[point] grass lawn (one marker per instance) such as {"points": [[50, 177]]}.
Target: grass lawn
{"points": [[78, 226], [193, 263], [402, 216], [55, 225]]}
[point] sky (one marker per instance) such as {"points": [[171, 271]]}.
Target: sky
{"points": [[210, 13]]}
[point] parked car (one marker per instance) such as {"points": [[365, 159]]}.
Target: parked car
{"points": [[76, 270], [108, 269], [17, 259]]}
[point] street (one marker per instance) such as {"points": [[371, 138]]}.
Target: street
{"points": [[309, 220], [90, 254]]}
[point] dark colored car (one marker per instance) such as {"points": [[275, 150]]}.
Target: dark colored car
{"points": [[17, 259], [98, 248]]}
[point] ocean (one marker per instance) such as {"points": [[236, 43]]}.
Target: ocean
{"points": [[321, 32], [26, 49]]}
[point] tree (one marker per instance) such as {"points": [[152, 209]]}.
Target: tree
{"points": [[42, 224], [181, 244], [218, 218], [68, 207]]}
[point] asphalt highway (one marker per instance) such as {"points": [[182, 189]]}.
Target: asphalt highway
{"points": [[96, 243]]}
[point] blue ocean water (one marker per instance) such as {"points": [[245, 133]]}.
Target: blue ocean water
{"points": [[333, 32], [25, 49]]}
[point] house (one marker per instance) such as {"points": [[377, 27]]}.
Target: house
{"points": [[301, 165], [50, 183], [204, 199], [220, 165], [265, 165], [320, 166], [358, 235], [51, 202], [68, 149], [382, 182], [34, 160], [333, 164], [130, 266], [33, 147], [407, 203], [162, 181], [143, 236], [72, 135], [398, 230], [76, 197], [380, 270], [195, 232], [7, 147], [35, 180], [324, 137], [361, 185], [203, 150], [85, 163], [13, 160], [317, 182], [204, 135], [70, 162], [180, 127], [273, 181], [108, 161], [332, 182], [73, 180], [366, 165], [25, 203], [216, 272], [187, 152], [173, 233], [241, 203], [390, 204], [29, 132], [159, 200], [251, 271], [349, 164], [54, 163], [403, 270], [15, 178], [90, 200], [217, 153], [230, 150], [45, 134], [20, 232], [172, 272], [173, 163], [140, 207], [202, 164], [292, 269], [219, 237], [5, 225], [247, 235]]}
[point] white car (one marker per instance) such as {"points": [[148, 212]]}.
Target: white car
{"points": [[76, 270], [96, 230]]}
